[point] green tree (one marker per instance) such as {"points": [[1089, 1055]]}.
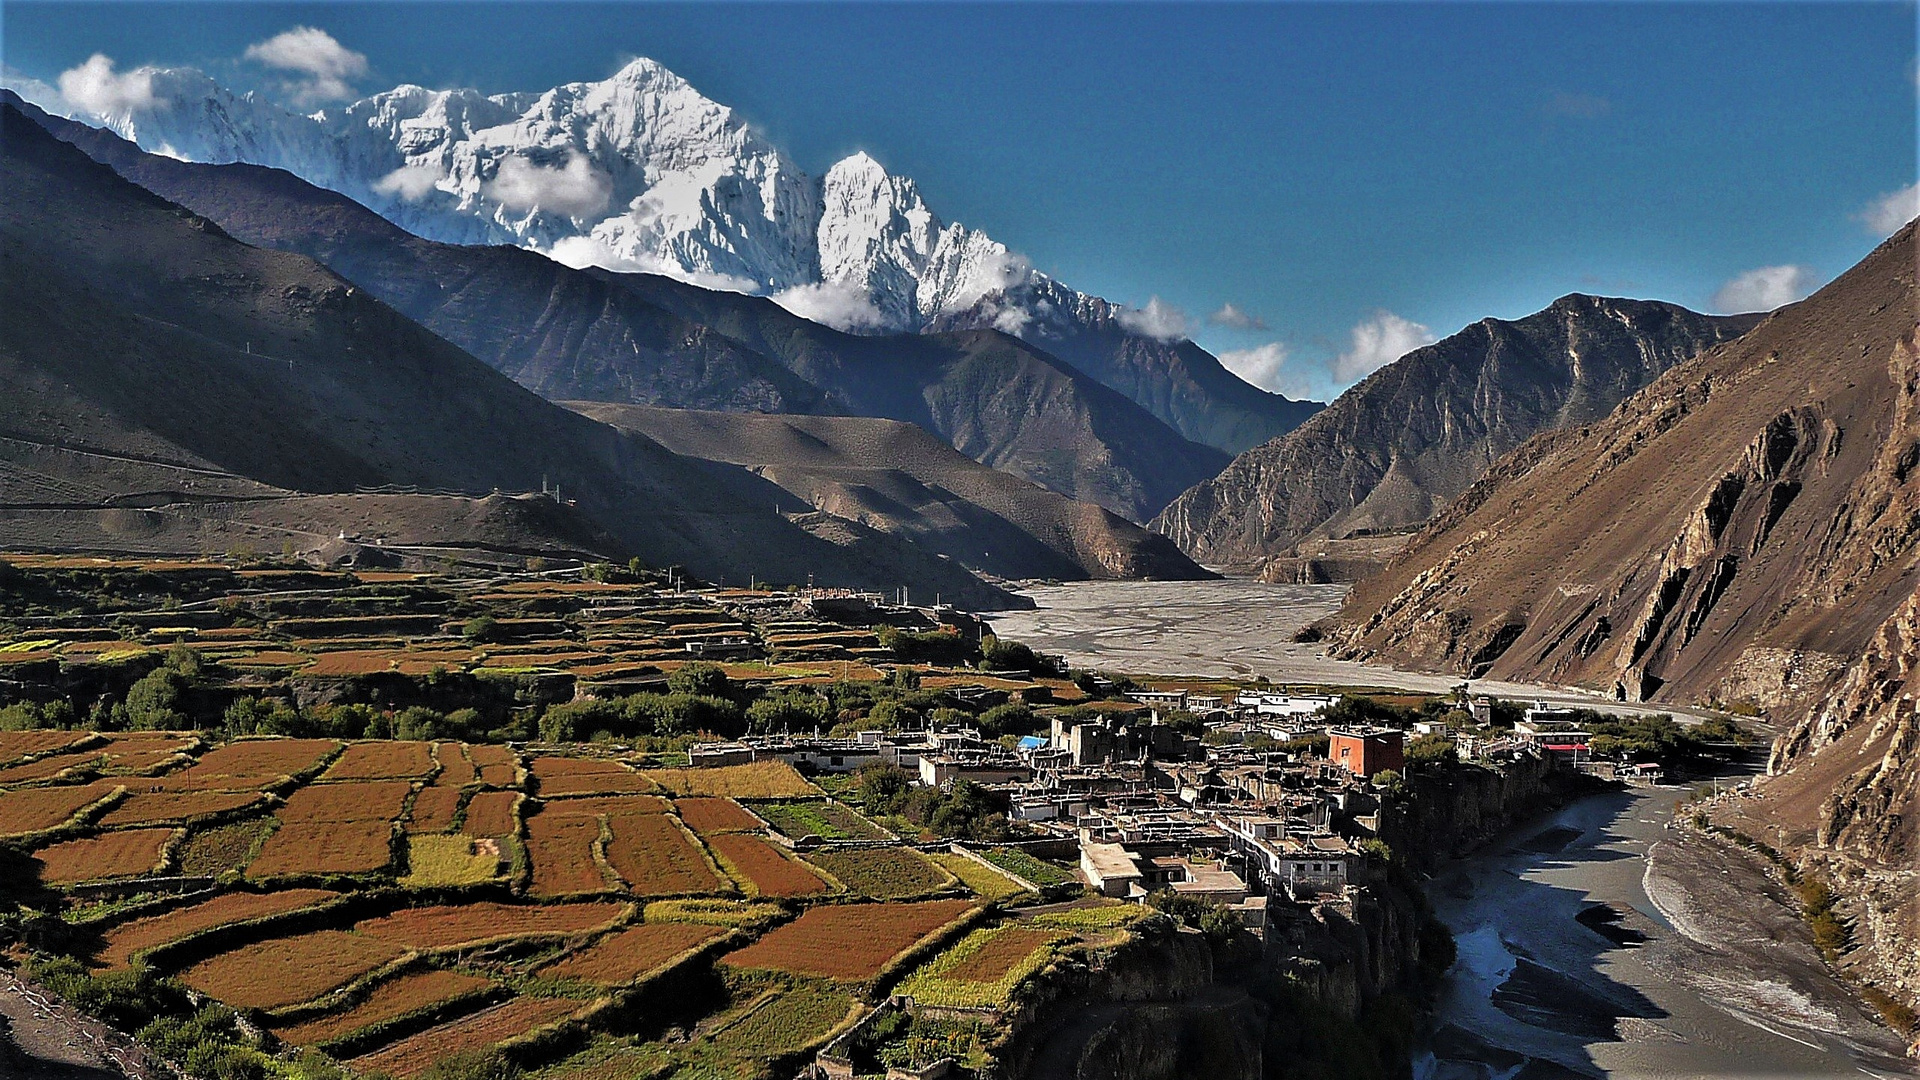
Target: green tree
{"points": [[481, 628], [1432, 750], [154, 703], [789, 711], [1013, 718], [701, 678]]}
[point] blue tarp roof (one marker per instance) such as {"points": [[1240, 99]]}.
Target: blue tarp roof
{"points": [[1032, 742]]}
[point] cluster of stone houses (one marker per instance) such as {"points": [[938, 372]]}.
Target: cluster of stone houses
{"points": [[1149, 805]]}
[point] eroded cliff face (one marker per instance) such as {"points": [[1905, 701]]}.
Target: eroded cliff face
{"points": [[1844, 786], [1735, 532]]}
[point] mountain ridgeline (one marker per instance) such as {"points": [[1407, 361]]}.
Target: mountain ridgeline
{"points": [[592, 334], [1393, 450], [172, 389], [662, 179]]}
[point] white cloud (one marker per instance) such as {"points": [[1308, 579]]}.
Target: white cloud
{"points": [[94, 87], [840, 305], [1263, 366], [314, 53], [1234, 318], [1764, 289], [1376, 341], [33, 91], [575, 189], [1886, 214], [580, 252], [410, 183], [1158, 319]]}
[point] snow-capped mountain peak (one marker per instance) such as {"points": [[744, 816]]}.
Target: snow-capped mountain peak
{"points": [[637, 171]]}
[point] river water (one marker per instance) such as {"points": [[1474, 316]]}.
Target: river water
{"points": [[1600, 942], [1606, 941]]}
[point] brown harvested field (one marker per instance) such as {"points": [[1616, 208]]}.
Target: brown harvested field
{"points": [[48, 767], [561, 850], [455, 926], [355, 662], [270, 658], [594, 805], [328, 847], [140, 761], [433, 809], [168, 807], [279, 972], [711, 815], [18, 744], [490, 813], [383, 760], [123, 942], [768, 872], [631, 953], [847, 942], [389, 1001], [32, 810], [655, 856], [561, 787], [499, 776], [485, 754], [758, 780], [250, 763], [547, 767], [455, 768], [410, 1057], [360, 800], [1007, 948], [132, 853]]}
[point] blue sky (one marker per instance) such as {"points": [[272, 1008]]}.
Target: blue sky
{"points": [[1329, 170]]}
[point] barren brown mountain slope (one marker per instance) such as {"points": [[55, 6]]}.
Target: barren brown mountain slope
{"points": [[640, 339], [1736, 530], [147, 358], [1392, 451], [898, 478], [1745, 530]]}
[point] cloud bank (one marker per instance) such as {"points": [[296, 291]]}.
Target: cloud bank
{"points": [[1764, 289], [1158, 319], [1884, 215], [1234, 318], [410, 183], [1264, 366], [575, 189], [1376, 341], [94, 87], [324, 63], [840, 305]]}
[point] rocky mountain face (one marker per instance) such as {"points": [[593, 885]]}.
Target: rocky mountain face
{"points": [[163, 381], [1393, 450], [1746, 531], [641, 172], [1740, 520], [899, 479], [600, 335]]}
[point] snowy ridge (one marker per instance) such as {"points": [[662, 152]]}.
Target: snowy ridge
{"points": [[636, 172]]}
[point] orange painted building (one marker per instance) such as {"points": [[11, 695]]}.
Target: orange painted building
{"points": [[1368, 751]]}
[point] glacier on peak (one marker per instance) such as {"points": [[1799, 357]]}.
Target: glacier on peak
{"points": [[639, 171]]}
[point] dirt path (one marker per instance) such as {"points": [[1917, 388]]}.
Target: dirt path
{"points": [[41, 1038]]}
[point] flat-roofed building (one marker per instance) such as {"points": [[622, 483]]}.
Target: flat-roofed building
{"points": [[1366, 751], [1110, 869]]}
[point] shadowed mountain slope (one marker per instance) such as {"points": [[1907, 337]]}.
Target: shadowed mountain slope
{"points": [[899, 479], [1749, 518], [1393, 450], [141, 335], [639, 339]]}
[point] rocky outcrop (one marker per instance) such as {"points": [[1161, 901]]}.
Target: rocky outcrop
{"points": [[1399, 446], [1865, 830], [1759, 500]]}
